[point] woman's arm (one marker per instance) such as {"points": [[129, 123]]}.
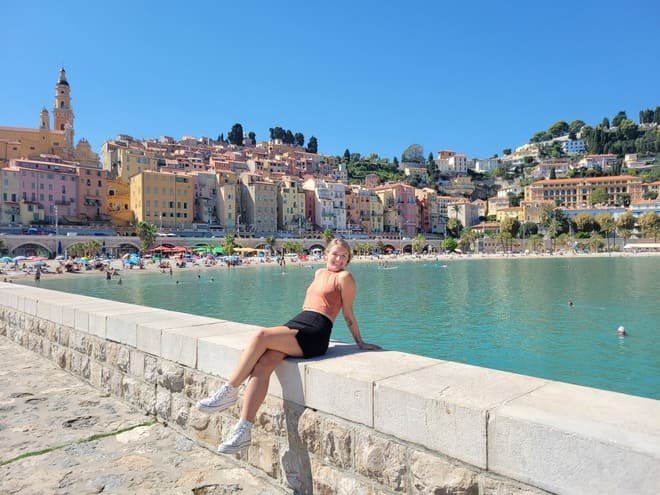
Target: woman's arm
{"points": [[347, 288]]}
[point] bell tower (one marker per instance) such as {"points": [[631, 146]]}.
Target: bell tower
{"points": [[62, 112], [44, 120]]}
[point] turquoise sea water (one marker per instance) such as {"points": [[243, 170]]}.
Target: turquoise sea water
{"points": [[507, 314]]}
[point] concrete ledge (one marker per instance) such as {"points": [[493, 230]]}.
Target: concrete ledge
{"points": [[344, 386], [570, 439], [445, 407], [385, 412]]}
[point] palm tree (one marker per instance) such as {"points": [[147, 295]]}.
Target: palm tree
{"points": [[271, 240], [327, 236], [147, 233], [228, 244], [418, 243]]}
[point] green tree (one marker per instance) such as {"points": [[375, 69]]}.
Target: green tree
{"points": [[449, 245], [625, 224], [292, 247], [312, 145], [299, 139], [327, 236], [505, 239], [607, 226], [413, 153], [418, 243], [271, 240], [618, 118], [510, 226], [288, 137], [432, 169], [584, 223], [454, 227], [347, 156], [235, 136], [559, 128], [228, 244], [649, 224], [92, 248], [252, 137], [599, 196], [596, 243], [535, 241], [576, 126], [467, 240], [147, 233]]}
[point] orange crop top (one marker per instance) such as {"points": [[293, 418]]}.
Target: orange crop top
{"points": [[324, 295]]}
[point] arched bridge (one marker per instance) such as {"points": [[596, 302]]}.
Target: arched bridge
{"points": [[52, 245]]}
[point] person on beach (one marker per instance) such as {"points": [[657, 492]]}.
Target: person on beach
{"points": [[307, 335]]}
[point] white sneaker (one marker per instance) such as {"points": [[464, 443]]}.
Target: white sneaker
{"points": [[223, 398], [240, 439]]}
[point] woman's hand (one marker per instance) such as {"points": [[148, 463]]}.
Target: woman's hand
{"points": [[365, 346]]}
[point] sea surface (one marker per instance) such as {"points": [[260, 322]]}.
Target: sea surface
{"points": [[507, 314]]}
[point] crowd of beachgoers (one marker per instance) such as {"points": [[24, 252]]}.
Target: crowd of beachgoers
{"points": [[23, 268]]}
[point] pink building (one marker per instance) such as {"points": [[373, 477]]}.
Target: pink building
{"points": [[51, 186]]}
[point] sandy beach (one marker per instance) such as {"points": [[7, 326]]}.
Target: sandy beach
{"points": [[26, 270]]}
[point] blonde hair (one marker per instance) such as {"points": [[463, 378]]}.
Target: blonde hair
{"points": [[342, 243]]}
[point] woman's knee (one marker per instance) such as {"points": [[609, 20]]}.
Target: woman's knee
{"points": [[267, 363]]}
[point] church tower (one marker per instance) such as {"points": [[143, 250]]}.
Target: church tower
{"points": [[44, 120], [63, 113]]}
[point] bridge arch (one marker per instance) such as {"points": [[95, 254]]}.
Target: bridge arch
{"points": [[31, 249]]}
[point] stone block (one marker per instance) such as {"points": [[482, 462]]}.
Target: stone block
{"points": [[330, 481], [445, 407], [338, 444], [68, 313], [149, 334], [170, 376], [381, 460], [343, 386], [571, 439], [123, 328], [432, 474], [179, 343], [96, 318], [218, 355], [45, 308]]}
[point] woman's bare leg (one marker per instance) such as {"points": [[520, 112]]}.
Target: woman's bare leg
{"points": [[257, 385], [280, 339]]}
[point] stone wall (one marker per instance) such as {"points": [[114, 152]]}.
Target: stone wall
{"points": [[352, 422]]}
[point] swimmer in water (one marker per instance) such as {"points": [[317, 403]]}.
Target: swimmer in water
{"points": [[570, 304], [621, 331]]}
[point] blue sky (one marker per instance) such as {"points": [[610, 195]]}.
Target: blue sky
{"points": [[370, 76]]}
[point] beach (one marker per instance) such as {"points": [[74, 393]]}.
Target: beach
{"points": [[26, 270]]}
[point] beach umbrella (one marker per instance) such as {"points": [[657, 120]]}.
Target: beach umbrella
{"points": [[20, 258], [218, 250], [6, 259], [37, 258], [40, 263]]}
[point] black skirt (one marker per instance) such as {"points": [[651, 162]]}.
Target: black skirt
{"points": [[314, 331]]}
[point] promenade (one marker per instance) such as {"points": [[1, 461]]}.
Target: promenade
{"points": [[59, 435]]}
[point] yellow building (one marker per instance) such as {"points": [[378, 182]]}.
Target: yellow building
{"points": [[291, 205], [258, 204], [364, 210], [227, 200], [515, 212], [577, 192], [27, 143], [163, 199], [118, 203]]}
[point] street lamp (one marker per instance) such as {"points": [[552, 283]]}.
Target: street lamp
{"points": [[55, 208]]}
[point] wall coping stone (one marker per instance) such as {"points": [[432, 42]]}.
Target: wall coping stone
{"points": [[555, 436]]}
